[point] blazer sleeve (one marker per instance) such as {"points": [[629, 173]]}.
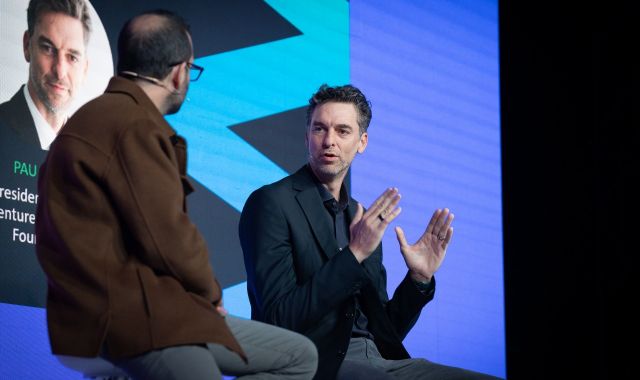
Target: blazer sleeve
{"points": [[403, 310], [281, 292], [152, 197]]}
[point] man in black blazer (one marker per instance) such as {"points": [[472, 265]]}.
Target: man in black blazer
{"points": [[314, 259]]}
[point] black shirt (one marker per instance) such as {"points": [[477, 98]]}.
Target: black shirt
{"points": [[339, 217]]}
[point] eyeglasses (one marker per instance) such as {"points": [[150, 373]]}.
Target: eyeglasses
{"points": [[195, 70]]}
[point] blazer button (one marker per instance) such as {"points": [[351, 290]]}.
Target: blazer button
{"points": [[341, 353], [349, 315]]}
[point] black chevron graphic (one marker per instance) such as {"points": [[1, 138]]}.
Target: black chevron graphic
{"points": [[216, 26]]}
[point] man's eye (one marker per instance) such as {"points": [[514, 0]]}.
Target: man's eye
{"points": [[47, 49]]}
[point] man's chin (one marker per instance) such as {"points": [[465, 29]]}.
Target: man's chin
{"points": [[57, 104], [174, 109], [327, 171]]}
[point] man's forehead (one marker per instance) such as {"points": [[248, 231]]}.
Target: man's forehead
{"points": [[60, 27], [340, 110]]}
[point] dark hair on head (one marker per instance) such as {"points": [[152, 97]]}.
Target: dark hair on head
{"points": [[77, 9], [151, 48], [342, 94]]}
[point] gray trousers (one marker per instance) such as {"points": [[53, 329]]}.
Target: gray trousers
{"points": [[364, 362], [273, 353]]}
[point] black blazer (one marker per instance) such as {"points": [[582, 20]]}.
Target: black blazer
{"points": [[16, 121], [298, 278]]}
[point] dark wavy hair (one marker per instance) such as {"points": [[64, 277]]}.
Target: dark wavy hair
{"points": [[153, 50], [77, 9], [342, 94]]}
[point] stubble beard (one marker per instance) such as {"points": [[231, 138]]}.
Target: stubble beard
{"points": [[43, 96], [178, 100], [175, 106], [326, 173]]}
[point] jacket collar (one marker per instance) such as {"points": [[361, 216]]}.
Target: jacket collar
{"points": [[121, 85]]}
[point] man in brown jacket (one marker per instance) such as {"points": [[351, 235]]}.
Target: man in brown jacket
{"points": [[128, 272]]}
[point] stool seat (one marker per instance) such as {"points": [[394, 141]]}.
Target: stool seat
{"points": [[93, 368]]}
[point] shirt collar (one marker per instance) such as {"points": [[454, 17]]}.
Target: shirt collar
{"points": [[328, 199], [46, 135]]}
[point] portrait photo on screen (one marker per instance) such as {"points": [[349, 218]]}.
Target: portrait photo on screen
{"points": [[46, 74]]}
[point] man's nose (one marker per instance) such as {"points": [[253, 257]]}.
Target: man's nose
{"points": [[329, 138], [60, 67]]}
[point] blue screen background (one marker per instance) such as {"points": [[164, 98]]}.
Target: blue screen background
{"points": [[431, 72]]}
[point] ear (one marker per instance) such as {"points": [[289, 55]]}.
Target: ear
{"points": [[362, 144], [25, 46], [178, 75], [306, 139]]}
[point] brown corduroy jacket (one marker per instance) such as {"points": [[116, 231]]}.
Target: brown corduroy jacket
{"points": [[128, 272]]}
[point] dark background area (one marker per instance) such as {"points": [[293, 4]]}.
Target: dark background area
{"points": [[569, 143], [216, 26]]}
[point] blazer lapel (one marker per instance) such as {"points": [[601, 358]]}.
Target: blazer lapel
{"points": [[19, 119], [313, 209]]}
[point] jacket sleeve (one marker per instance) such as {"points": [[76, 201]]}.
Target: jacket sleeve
{"points": [[280, 293], [149, 187], [404, 308]]}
